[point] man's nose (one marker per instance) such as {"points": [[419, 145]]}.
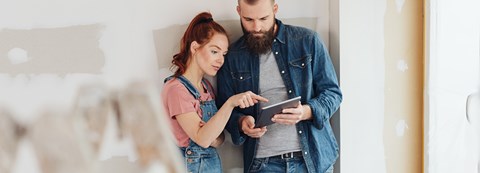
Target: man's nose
{"points": [[256, 26]]}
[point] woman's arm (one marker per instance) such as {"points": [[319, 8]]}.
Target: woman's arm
{"points": [[206, 134]]}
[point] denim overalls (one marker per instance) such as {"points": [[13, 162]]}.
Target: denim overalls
{"points": [[198, 159]]}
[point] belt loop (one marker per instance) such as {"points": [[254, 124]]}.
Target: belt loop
{"points": [[287, 155]]}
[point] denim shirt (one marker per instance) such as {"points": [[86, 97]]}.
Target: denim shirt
{"points": [[307, 71]]}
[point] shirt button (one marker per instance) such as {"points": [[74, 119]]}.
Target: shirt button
{"points": [[283, 71], [189, 152], [274, 40], [276, 53], [306, 152], [241, 77], [289, 91], [300, 132], [303, 64]]}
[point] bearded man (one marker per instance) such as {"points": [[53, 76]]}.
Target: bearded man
{"points": [[278, 62]]}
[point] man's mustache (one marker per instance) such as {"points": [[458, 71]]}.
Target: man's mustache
{"points": [[260, 32]]}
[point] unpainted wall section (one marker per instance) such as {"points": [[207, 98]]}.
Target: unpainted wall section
{"points": [[381, 67], [404, 66]]}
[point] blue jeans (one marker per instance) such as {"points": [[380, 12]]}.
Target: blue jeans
{"points": [[287, 165], [200, 160]]}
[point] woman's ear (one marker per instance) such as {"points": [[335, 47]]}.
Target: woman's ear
{"points": [[194, 47]]}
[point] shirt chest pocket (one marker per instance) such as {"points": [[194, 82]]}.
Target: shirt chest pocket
{"points": [[302, 62], [301, 70], [241, 76], [242, 80]]}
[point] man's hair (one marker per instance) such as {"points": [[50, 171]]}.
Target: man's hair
{"points": [[253, 2]]}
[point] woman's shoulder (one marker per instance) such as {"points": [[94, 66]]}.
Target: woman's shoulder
{"points": [[173, 86]]}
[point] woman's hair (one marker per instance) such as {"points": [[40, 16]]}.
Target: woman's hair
{"points": [[201, 29]]}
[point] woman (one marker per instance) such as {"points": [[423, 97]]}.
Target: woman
{"points": [[189, 99]]}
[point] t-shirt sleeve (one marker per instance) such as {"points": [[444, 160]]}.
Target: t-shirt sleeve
{"points": [[179, 100]]}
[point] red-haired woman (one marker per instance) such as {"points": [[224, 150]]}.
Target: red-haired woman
{"points": [[189, 100]]}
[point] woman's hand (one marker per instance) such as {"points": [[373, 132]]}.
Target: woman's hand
{"points": [[245, 99]]}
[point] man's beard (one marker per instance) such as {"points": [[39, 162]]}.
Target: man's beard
{"points": [[259, 44]]}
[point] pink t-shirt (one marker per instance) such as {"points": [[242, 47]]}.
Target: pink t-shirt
{"points": [[178, 100]]}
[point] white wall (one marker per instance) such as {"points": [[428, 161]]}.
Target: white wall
{"points": [[362, 69], [453, 59], [41, 71]]}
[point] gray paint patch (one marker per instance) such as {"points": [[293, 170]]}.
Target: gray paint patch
{"points": [[61, 51]]}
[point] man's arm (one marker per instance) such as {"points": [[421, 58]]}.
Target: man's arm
{"points": [[327, 94], [325, 85]]}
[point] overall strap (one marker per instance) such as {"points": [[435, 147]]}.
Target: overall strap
{"points": [[187, 85], [209, 87]]}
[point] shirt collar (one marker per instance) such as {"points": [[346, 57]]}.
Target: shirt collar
{"points": [[280, 31]]}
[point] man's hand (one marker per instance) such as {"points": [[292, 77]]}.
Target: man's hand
{"points": [[247, 124], [292, 116]]}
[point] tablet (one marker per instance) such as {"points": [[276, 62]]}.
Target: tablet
{"points": [[266, 113]]}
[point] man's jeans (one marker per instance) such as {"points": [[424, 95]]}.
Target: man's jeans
{"points": [[287, 165]]}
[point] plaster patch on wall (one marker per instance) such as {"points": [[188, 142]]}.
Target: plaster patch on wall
{"points": [[402, 65], [401, 127], [64, 50], [18, 56], [399, 4]]}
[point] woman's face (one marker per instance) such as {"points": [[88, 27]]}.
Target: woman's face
{"points": [[210, 57]]}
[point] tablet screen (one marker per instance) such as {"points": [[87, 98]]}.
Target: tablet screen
{"points": [[266, 113]]}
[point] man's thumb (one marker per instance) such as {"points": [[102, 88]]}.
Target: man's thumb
{"points": [[251, 123]]}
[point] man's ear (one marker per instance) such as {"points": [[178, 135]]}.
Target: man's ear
{"points": [[193, 47], [238, 10], [275, 8]]}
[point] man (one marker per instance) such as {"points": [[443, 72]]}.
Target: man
{"points": [[280, 61]]}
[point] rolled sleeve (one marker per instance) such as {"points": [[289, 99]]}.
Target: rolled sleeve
{"points": [[325, 85]]}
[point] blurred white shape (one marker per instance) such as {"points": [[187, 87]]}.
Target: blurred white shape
{"points": [[9, 138], [26, 159], [91, 110], [157, 167], [58, 146], [18, 56], [142, 119]]}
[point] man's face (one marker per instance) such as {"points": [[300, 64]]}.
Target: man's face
{"points": [[258, 24]]}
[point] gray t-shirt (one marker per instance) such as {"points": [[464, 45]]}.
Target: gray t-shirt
{"points": [[278, 139]]}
